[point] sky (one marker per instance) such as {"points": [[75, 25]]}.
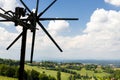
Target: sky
{"points": [[96, 35]]}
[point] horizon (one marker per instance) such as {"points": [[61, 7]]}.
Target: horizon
{"points": [[67, 59]]}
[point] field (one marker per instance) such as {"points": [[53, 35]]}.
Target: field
{"points": [[91, 73], [65, 76]]}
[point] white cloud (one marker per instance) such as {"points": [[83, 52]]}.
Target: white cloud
{"points": [[58, 26], [8, 4], [6, 37], [101, 33], [113, 2], [100, 37]]}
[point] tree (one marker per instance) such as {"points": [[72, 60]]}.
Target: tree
{"points": [[29, 77], [10, 72], [59, 75], [51, 78], [35, 75], [70, 77], [116, 74], [43, 76]]}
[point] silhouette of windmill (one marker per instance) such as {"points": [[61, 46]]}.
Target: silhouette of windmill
{"points": [[30, 22]]}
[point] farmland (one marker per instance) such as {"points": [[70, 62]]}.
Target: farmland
{"points": [[67, 72]]}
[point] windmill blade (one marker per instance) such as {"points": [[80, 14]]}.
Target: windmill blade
{"points": [[5, 20], [37, 5], [49, 36], [2, 9], [6, 12], [6, 17], [33, 43], [47, 8], [14, 41], [42, 19], [25, 6]]}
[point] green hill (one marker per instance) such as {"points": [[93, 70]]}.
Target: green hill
{"points": [[69, 71], [65, 76]]}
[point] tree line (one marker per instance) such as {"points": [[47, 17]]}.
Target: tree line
{"points": [[9, 62]]}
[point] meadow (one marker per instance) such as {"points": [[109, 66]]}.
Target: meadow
{"points": [[65, 76]]}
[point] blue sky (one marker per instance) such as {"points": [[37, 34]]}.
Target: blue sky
{"points": [[94, 36]]}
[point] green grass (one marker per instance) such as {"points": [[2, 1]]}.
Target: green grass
{"points": [[64, 76], [7, 78], [91, 73]]}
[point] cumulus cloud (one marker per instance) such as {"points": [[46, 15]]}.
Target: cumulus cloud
{"points": [[8, 4], [104, 25], [57, 26], [100, 37], [113, 2], [102, 32], [6, 37]]}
